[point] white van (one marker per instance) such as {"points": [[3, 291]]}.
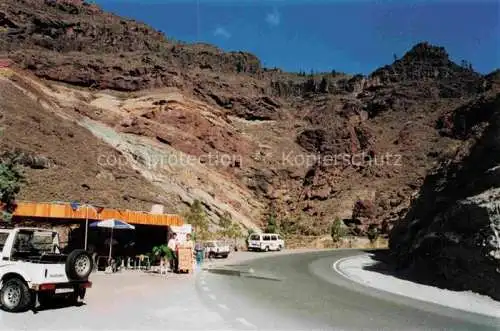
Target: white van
{"points": [[265, 242]]}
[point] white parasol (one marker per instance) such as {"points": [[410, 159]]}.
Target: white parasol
{"points": [[112, 224]]}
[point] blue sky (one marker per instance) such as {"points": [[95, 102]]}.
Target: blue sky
{"points": [[320, 35]]}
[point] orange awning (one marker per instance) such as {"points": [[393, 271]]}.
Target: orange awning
{"points": [[65, 211]]}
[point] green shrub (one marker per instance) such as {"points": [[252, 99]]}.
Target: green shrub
{"points": [[271, 226], [198, 219], [225, 222], [250, 232], [158, 252], [372, 233], [336, 230], [10, 185]]}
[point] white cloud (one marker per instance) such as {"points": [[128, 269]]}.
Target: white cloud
{"points": [[222, 32], [273, 18]]}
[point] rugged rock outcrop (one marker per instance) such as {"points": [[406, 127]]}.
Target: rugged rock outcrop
{"points": [[426, 62], [49, 37], [310, 144], [451, 235]]}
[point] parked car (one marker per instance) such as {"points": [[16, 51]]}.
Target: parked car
{"points": [[32, 269], [265, 242], [216, 248]]}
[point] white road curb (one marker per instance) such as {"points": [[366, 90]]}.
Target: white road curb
{"points": [[465, 301], [336, 264]]}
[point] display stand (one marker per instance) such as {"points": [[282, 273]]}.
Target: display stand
{"points": [[185, 255]]}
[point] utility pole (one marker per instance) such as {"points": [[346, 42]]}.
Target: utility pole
{"points": [[87, 205]]}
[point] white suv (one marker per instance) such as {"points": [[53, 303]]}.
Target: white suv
{"points": [[265, 242], [216, 248], [33, 271]]}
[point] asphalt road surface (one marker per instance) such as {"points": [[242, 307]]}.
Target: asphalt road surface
{"points": [[286, 292], [303, 292]]}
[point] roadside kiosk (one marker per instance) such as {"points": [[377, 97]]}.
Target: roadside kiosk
{"points": [[184, 250], [185, 255]]}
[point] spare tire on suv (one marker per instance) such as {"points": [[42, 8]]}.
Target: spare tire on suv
{"points": [[79, 265]]}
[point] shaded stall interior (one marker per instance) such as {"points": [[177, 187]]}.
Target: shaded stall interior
{"points": [[126, 243]]}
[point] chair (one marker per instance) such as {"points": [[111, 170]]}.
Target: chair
{"points": [[142, 262], [129, 264], [94, 259], [163, 267], [147, 262], [102, 262]]}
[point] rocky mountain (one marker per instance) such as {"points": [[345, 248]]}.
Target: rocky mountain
{"points": [[193, 122], [451, 234]]}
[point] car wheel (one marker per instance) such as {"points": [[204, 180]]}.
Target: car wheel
{"points": [[279, 248], [211, 255], [15, 296], [266, 249], [79, 265]]}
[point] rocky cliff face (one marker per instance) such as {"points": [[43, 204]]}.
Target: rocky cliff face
{"points": [[78, 43], [451, 235], [309, 147]]}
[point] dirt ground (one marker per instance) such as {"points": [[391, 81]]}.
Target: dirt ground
{"points": [[135, 300]]}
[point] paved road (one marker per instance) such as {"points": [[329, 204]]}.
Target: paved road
{"points": [[310, 295], [306, 295]]}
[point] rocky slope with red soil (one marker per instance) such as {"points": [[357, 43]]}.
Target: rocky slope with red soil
{"points": [[308, 147], [59, 157]]}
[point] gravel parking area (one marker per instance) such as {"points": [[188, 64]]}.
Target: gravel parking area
{"points": [[130, 300], [134, 300]]}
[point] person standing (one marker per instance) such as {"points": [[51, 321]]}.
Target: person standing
{"points": [[199, 249], [190, 245], [172, 246]]}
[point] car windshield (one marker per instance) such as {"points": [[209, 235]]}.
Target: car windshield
{"points": [[254, 237], [3, 239]]}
